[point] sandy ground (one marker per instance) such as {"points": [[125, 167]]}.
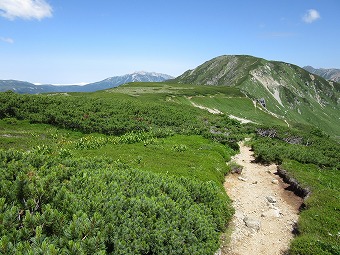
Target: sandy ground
{"points": [[265, 213]]}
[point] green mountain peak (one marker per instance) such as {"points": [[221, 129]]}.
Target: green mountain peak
{"points": [[288, 91]]}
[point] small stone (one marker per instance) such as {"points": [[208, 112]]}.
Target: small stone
{"points": [[274, 181], [252, 223], [273, 213], [255, 182], [271, 206], [271, 199]]}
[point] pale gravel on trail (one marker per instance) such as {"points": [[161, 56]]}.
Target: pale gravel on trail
{"points": [[249, 194]]}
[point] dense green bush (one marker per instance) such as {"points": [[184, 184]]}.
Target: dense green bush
{"points": [[91, 114], [274, 144], [101, 115], [52, 205]]}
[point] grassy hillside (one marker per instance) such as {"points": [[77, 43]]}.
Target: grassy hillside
{"points": [[139, 169]]}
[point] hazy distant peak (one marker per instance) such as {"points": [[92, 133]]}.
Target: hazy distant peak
{"points": [[26, 87], [165, 76], [326, 73]]}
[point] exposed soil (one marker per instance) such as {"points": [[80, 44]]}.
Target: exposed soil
{"points": [[265, 213]]}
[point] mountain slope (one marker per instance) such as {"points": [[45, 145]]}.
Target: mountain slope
{"points": [[285, 90], [118, 80], [329, 74], [30, 88], [20, 87]]}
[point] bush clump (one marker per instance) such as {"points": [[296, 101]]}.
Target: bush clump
{"points": [[52, 205]]}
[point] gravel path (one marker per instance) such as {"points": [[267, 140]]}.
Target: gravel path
{"points": [[265, 213]]}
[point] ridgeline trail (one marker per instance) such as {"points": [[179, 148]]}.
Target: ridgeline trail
{"points": [[265, 212]]}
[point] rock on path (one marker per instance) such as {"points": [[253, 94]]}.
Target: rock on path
{"points": [[265, 213]]}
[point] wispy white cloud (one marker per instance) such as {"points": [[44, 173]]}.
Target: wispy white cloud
{"points": [[6, 39], [311, 16], [25, 9]]}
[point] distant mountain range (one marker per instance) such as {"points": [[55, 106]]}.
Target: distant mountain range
{"points": [[30, 88], [284, 90], [331, 74]]}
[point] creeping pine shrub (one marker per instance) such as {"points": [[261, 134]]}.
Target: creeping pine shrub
{"points": [[67, 206], [11, 121]]}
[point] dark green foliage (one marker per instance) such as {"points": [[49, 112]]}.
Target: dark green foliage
{"points": [[274, 144], [50, 205], [122, 115], [227, 131], [100, 115]]}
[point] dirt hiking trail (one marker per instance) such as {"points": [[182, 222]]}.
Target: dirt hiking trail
{"points": [[265, 213]]}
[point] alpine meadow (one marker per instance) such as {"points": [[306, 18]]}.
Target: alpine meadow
{"points": [[139, 168]]}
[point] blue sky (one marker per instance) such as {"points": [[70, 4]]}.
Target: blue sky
{"points": [[70, 41]]}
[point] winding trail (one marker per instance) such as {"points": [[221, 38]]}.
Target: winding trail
{"points": [[265, 213]]}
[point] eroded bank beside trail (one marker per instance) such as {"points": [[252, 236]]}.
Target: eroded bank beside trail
{"points": [[265, 212]]}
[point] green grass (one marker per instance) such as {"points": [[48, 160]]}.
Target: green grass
{"points": [[193, 157], [319, 224], [22, 135], [241, 107], [179, 155], [146, 91]]}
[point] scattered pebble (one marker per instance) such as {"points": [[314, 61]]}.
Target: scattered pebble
{"points": [[271, 199], [252, 223], [274, 181]]}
